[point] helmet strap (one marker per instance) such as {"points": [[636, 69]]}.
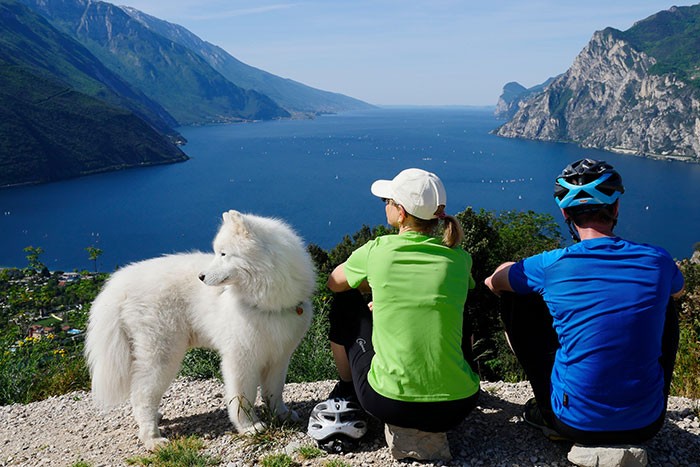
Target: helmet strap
{"points": [[572, 230]]}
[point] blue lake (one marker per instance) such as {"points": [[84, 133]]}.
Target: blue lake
{"points": [[316, 174]]}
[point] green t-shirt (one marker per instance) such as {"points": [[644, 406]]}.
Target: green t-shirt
{"points": [[419, 287]]}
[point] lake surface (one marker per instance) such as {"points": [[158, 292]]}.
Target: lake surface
{"points": [[316, 174]]}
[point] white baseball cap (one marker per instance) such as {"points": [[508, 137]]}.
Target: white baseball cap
{"points": [[419, 192]]}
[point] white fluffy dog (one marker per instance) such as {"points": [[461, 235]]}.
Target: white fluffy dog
{"points": [[250, 301]]}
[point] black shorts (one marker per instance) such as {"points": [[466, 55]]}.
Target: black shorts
{"points": [[351, 327], [528, 324]]}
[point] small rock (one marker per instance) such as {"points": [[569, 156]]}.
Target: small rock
{"points": [[406, 443], [609, 456], [292, 447]]}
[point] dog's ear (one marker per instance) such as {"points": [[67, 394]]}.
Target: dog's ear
{"points": [[234, 219]]}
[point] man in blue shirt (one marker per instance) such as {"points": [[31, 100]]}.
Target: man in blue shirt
{"points": [[599, 349]]}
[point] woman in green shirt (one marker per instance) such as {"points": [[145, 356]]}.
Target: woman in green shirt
{"points": [[401, 356]]}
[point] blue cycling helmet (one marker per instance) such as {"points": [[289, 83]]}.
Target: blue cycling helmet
{"points": [[588, 182]]}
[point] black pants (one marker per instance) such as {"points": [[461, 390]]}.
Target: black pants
{"points": [[528, 324], [351, 327]]}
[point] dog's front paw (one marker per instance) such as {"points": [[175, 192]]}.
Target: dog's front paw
{"points": [[154, 443]]}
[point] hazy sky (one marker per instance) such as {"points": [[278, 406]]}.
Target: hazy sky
{"points": [[395, 52]]}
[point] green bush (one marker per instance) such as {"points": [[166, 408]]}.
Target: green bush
{"points": [[686, 375], [36, 368], [492, 239], [312, 360], [201, 364]]}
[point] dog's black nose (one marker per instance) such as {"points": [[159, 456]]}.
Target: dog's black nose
{"points": [[201, 277]]}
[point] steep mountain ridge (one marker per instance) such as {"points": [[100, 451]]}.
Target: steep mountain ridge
{"points": [[57, 119], [172, 75], [29, 40], [86, 86], [620, 98], [293, 96], [673, 38]]}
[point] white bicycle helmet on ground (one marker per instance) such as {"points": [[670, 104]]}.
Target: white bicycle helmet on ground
{"points": [[333, 421]]}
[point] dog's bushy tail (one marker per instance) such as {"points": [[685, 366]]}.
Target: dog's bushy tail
{"points": [[107, 351]]}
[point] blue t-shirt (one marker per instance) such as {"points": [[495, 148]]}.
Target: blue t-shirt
{"points": [[608, 299]]}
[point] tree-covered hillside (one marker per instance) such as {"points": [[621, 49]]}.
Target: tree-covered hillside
{"points": [[50, 132], [295, 97], [58, 119], [672, 37], [27, 39], [178, 79]]}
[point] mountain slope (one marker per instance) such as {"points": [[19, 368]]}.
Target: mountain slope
{"points": [[170, 74], [673, 38], [292, 95], [49, 130], [49, 50], [617, 96]]}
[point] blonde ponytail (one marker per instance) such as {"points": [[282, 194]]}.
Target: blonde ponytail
{"points": [[453, 234]]}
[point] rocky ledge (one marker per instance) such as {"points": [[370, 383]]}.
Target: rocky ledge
{"points": [[61, 431]]}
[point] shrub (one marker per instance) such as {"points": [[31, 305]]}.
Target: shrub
{"points": [[201, 364], [492, 239], [686, 374], [36, 368], [313, 360]]}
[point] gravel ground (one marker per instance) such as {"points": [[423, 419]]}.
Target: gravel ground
{"points": [[64, 430]]}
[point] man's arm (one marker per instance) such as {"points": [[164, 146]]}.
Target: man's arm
{"points": [[679, 273], [680, 293], [498, 281]]}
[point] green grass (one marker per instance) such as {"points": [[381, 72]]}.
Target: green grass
{"points": [[278, 460], [336, 463], [180, 452], [309, 452]]}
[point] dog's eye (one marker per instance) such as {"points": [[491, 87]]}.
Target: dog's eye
{"points": [[222, 253]]}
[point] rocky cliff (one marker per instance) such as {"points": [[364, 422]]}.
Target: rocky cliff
{"points": [[513, 94], [613, 98]]}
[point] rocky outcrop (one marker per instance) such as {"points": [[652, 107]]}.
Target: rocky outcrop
{"points": [[609, 100], [507, 104], [513, 94]]}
